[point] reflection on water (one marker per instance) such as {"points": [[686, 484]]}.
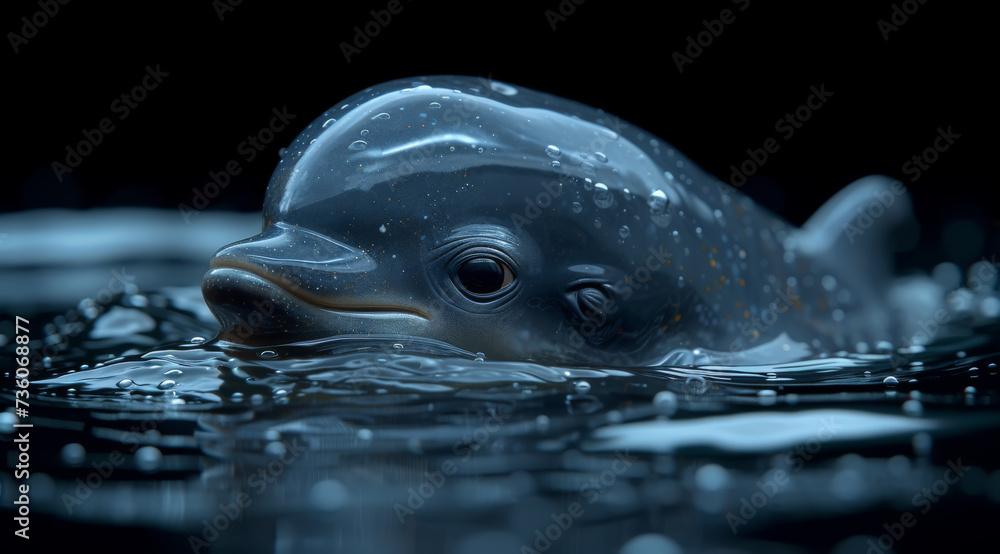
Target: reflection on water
{"points": [[391, 444]]}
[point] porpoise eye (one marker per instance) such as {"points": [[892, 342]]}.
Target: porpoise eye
{"points": [[483, 276]]}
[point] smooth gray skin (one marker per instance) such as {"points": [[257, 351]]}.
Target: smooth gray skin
{"points": [[621, 251]]}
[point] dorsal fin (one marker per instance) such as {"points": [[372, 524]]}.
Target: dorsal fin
{"points": [[860, 226]]}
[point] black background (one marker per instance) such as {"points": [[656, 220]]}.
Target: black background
{"points": [[225, 76]]}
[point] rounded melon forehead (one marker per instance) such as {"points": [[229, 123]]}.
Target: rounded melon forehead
{"points": [[506, 142]]}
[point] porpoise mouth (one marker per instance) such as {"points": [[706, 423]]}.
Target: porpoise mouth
{"points": [[314, 299]]}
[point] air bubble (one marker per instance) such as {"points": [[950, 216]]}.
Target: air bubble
{"points": [[435, 105], [148, 459], [602, 196], [696, 384], [623, 232], [582, 387], [358, 145], [382, 115], [577, 207]]}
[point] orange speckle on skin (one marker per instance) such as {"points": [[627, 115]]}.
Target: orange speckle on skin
{"points": [[664, 328], [722, 278], [714, 251], [708, 288], [677, 317], [743, 283], [746, 314], [711, 263]]}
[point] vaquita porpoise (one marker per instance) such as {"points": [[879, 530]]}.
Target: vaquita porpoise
{"points": [[520, 225]]}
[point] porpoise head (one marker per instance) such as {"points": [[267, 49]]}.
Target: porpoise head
{"points": [[498, 220]]}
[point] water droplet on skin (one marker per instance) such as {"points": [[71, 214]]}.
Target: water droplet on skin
{"points": [[381, 228], [890, 381], [451, 148], [268, 354], [365, 434], [970, 390], [577, 207], [555, 163], [665, 403], [601, 157], [480, 150], [623, 232], [173, 373], [602, 196], [167, 384], [397, 346], [382, 115], [553, 151], [282, 152], [125, 383], [582, 387], [435, 105], [597, 223], [358, 145]]}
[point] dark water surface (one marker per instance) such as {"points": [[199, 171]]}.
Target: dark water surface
{"points": [[150, 435]]}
